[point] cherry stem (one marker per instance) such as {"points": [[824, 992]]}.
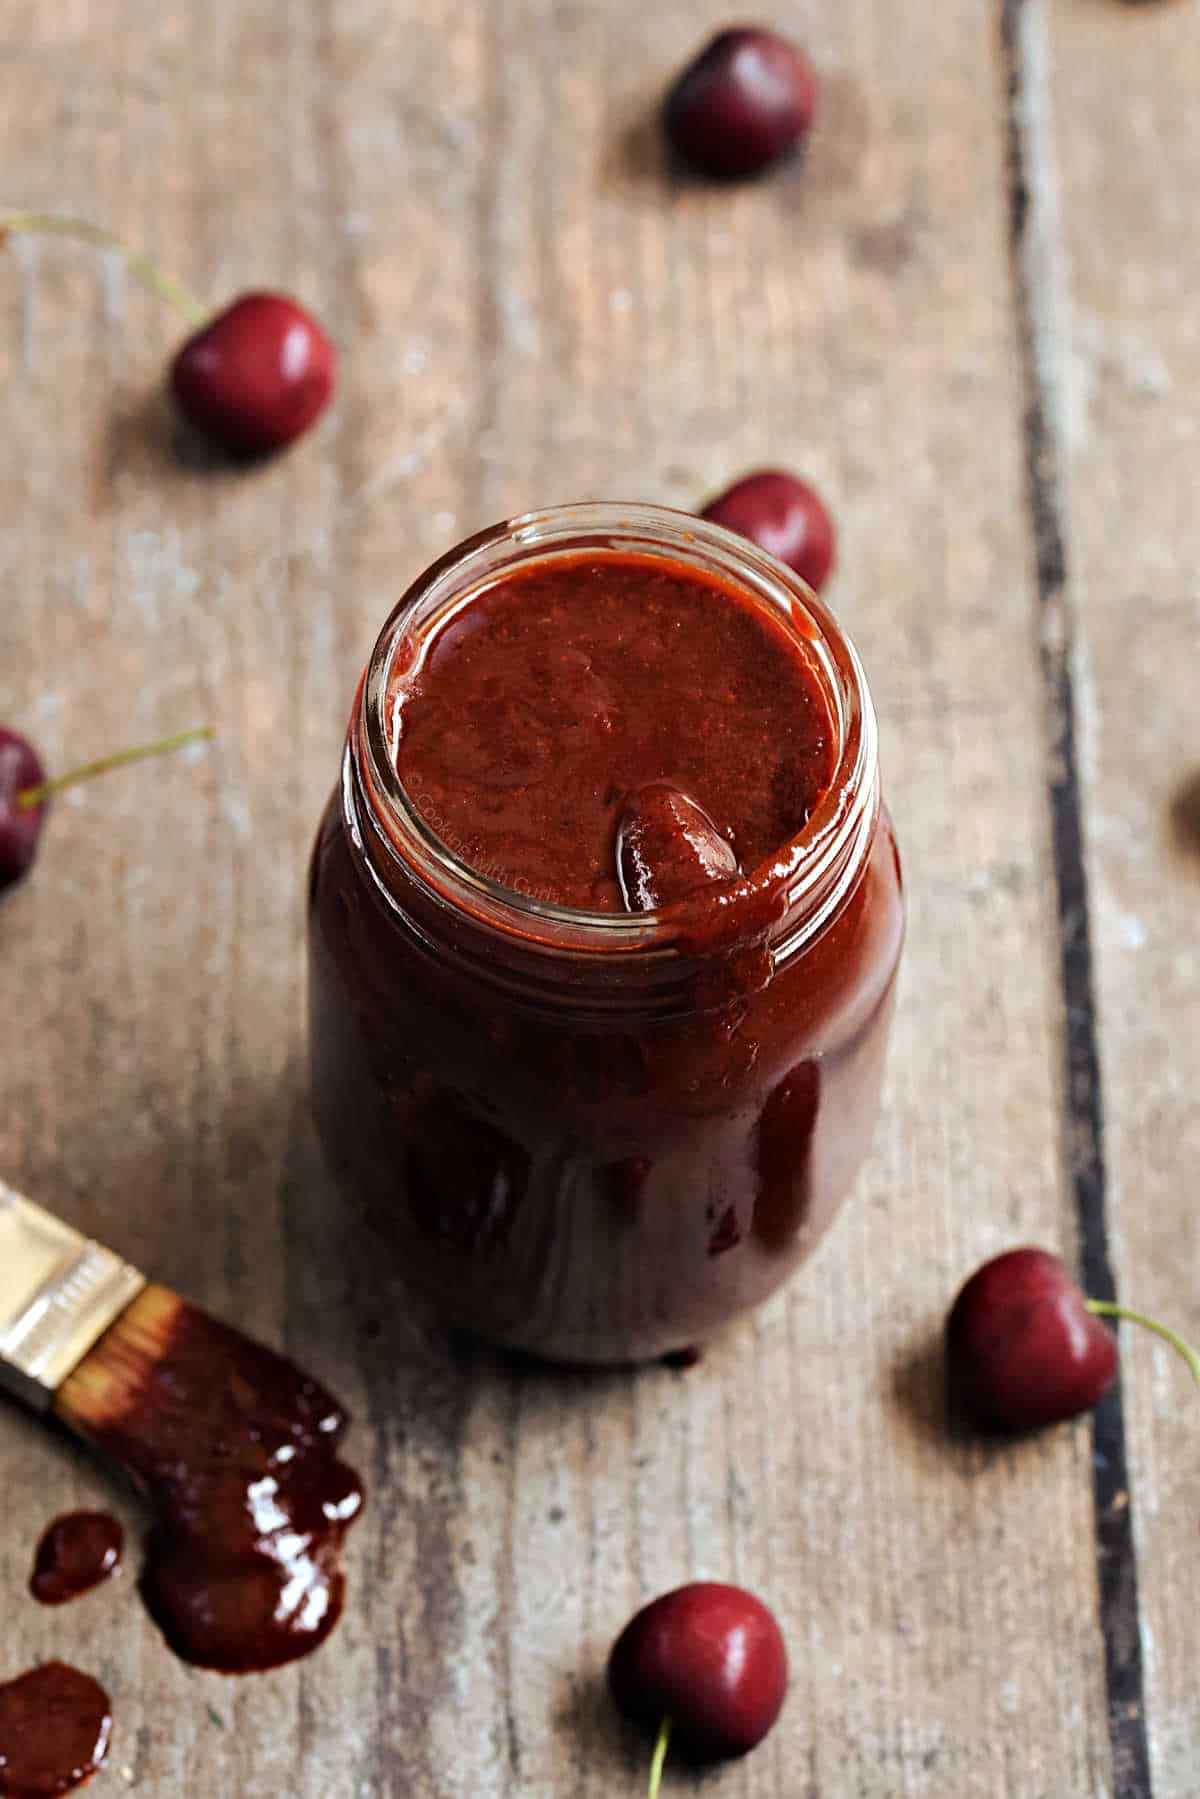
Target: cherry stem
{"points": [[660, 1756], [156, 280], [1104, 1308], [29, 797]]}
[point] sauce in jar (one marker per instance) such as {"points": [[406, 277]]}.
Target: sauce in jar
{"points": [[533, 716], [604, 925]]}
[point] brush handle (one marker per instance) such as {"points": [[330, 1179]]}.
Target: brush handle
{"points": [[59, 1293]]}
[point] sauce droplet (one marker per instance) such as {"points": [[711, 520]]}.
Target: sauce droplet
{"points": [[667, 847], [55, 1725], [76, 1553]]}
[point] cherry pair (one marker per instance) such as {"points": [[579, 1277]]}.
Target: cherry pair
{"points": [[257, 374], [746, 101], [705, 1666]]}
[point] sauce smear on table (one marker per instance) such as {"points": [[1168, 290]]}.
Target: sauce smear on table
{"points": [[55, 1725], [237, 1449]]}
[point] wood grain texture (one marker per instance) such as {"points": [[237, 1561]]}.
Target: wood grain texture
{"points": [[530, 309], [1128, 150]]}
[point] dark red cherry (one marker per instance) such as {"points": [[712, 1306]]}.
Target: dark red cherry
{"points": [[711, 1658], [20, 826], [667, 847], [253, 378], [256, 376], [783, 516], [746, 100], [1022, 1349]]}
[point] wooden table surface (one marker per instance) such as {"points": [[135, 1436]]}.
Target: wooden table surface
{"points": [[971, 317]]}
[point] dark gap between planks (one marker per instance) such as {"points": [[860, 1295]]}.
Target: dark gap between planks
{"points": [[1083, 1110]]}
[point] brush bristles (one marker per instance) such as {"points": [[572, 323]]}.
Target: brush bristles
{"points": [[108, 1382]]}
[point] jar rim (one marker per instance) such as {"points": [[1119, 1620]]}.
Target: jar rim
{"points": [[788, 898]]}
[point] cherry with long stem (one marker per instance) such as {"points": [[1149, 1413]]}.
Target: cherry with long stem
{"points": [[1025, 1347], [28, 798], [252, 378], [26, 789]]}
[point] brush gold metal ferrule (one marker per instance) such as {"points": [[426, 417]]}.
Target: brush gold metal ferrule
{"points": [[59, 1293]]}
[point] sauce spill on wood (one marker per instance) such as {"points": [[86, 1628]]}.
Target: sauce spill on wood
{"points": [[237, 1449], [55, 1725], [76, 1553]]}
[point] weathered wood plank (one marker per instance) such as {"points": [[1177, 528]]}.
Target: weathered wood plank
{"points": [[529, 310], [1122, 80]]}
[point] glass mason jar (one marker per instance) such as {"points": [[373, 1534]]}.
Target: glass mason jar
{"points": [[599, 1137]]}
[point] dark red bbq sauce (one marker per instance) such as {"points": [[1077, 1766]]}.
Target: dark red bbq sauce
{"points": [[538, 715], [55, 1725], [237, 1448], [603, 1145], [77, 1552]]}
